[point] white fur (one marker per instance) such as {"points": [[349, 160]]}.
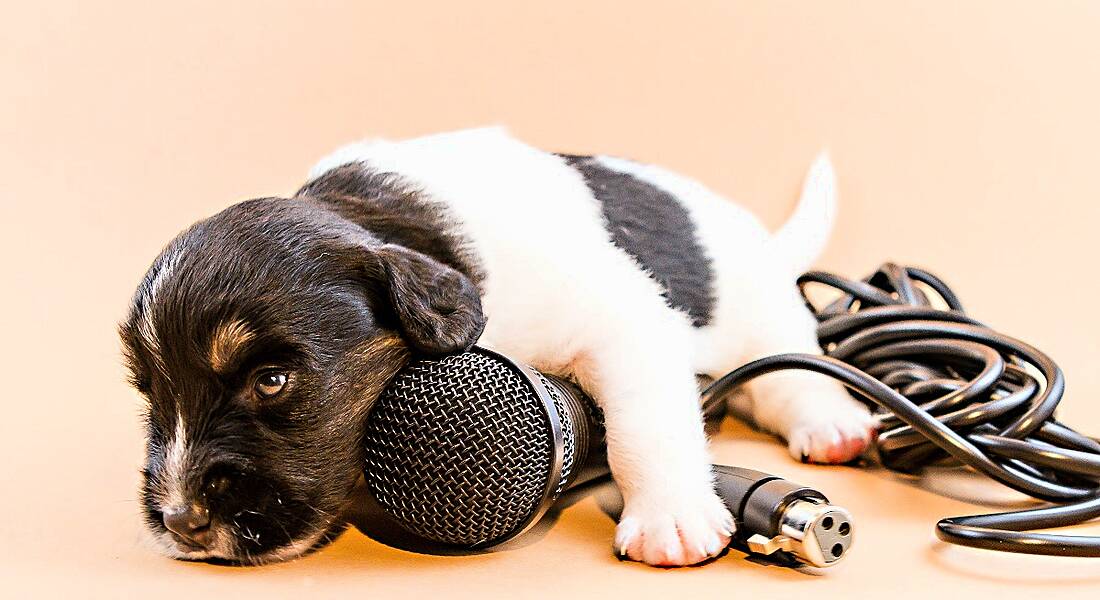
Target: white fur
{"points": [[175, 468], [146, 329], [561, 297], [804, 236]]}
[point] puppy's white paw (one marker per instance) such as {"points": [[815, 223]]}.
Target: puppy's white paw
{"points": [[683, 530], [831, 432]]}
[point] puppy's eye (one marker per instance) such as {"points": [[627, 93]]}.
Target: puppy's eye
{"points": [[269, 384]]}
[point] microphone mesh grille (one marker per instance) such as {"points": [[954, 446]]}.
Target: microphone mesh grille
{"points": [[568, 430], [458, 449]]}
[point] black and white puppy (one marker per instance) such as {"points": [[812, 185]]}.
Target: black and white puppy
{"points": [[261, 335]]}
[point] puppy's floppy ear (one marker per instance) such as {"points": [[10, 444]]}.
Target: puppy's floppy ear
{"points": [[438, 308]]}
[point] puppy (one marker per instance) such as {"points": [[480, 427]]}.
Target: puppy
{"points": [[261, 336]]}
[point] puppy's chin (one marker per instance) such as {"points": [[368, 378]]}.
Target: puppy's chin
{"points": [[226, 550]]}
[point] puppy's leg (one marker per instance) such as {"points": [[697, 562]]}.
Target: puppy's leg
{"points": [[640, 372], [814, 413]]}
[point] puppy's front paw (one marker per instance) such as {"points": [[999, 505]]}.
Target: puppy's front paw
{"points": [[831, 432], [673, 532]]}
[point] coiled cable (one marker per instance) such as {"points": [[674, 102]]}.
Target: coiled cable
{"points": [[951, 390]]}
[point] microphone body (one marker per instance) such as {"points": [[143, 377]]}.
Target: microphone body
{"points": [[472, 449]]}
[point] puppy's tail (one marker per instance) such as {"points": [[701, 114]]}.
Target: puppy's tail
{"points": [[801, 240]]}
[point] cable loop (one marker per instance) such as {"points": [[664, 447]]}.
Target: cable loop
{"points": [[948, 389]]}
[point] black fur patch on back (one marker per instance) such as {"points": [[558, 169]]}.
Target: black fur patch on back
{"points": [[649, 224]]}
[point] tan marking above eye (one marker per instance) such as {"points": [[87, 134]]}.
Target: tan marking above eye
{"points": [[227, 342]]}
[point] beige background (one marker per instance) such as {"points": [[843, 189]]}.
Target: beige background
{"points": [[966, 137]]}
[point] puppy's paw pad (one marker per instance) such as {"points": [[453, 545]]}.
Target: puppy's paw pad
{"points": [[835, 436], [681, 532]]}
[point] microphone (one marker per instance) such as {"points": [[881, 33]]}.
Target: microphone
{"points": [[472, 449]]}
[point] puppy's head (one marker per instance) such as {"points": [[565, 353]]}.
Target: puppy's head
{"points": [[260, 338]]}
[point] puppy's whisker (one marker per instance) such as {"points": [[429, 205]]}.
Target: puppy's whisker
{"points": [[279, 522], [323, 513]]}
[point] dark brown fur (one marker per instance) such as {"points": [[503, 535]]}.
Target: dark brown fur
{"points": [[336, 286]]}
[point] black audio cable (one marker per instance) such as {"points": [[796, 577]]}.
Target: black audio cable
{"points": [[950, 390]]}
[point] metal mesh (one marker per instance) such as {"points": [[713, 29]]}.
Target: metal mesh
{"points": [[568, 431], [459, 449]]}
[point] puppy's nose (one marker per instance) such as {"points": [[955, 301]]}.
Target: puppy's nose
{"points": [[191, 522]]}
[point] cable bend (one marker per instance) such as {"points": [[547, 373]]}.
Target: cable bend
{"points": [[964, 392]]}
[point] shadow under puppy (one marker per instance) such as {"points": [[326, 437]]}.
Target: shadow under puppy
{"points": [[261, 336]]}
